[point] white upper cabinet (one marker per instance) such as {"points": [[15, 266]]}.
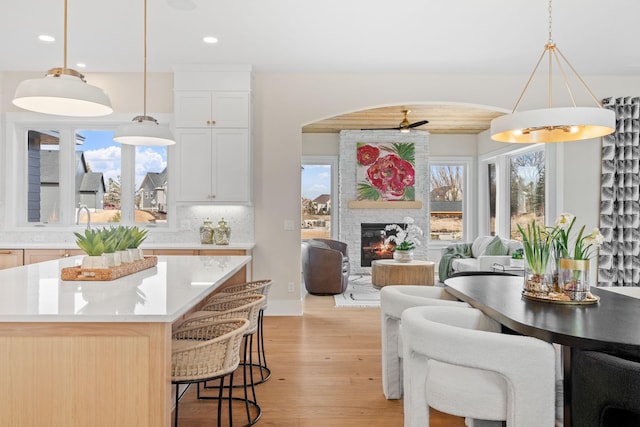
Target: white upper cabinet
{"points": [[213, 133], [212, 109]]}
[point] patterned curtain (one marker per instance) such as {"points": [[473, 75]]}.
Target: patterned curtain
{"points": [[619, 262]]}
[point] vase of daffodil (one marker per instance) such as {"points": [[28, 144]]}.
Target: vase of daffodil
{"points": [[574, 270], [538, 242]]}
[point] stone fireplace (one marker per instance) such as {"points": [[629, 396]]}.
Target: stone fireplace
{"points": [[351, 219]]}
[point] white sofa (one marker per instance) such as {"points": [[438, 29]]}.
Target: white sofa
{"points": [[473, 256]]}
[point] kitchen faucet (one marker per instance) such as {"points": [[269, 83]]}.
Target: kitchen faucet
{"points": [[86, 209]]}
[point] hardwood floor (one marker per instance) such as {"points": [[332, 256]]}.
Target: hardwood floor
{"points": [[325, 372]]}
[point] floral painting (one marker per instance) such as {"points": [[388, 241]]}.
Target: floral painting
{"points": [[385, 172]]}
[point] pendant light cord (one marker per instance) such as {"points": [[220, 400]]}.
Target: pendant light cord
{"points": [[144, 107], [65, 35]]}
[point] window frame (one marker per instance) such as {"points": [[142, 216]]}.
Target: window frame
{"points": [[468, 197], [18, 124], [501, 158]]}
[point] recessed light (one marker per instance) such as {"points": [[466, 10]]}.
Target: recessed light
{"points": [[81, 65], [210, 39], [46, 38]]}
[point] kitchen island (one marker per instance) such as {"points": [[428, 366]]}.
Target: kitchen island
{"points": [[84, 353]]}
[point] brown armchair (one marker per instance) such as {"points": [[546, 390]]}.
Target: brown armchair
{"points": [[325, 266]]}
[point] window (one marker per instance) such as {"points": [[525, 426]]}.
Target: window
{"points": [[491, 174], [317, 204], [527, 190], [448, 199], [515, 189], [70, 167], [97, 177], [151, 179]]}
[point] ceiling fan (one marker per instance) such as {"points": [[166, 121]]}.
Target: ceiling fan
{"points": [[405, 125]]}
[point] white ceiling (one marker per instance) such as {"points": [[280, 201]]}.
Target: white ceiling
{"points": [[426, 36]]}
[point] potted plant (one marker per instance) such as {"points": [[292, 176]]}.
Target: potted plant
{"points": [[538, 243], [406, 238], [517, 258], [110, 244], [92, 243], [136, 237], [574, 272], [122, 237], [564, 224]]}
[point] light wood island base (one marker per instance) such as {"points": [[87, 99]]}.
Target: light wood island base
{"points": [[77, 354]]}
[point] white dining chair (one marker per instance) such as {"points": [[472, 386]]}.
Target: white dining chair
{"points": [[393, 301], [457, 361]]}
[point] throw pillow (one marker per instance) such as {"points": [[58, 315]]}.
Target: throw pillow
{"points": [[496, 247]]}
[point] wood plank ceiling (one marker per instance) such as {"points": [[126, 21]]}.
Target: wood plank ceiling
{"points": [[443, 119]]}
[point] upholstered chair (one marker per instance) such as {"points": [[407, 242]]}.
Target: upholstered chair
{"points": [[605, 390], [393, 301], [325, 266], [457, 361]]}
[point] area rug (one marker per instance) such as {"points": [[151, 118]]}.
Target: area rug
{"points": [[360, 293]]}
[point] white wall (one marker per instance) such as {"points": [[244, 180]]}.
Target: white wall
{"points": [[283, 103]]}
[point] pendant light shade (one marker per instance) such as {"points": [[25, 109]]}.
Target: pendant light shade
{"points": [[144, 129], [62, 92], [554, 124]]}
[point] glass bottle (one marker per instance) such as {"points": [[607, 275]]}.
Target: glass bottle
{"points": [[206, 232], [222, 232]]}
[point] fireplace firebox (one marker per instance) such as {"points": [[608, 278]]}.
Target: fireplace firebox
{"points": [[372, 245]]}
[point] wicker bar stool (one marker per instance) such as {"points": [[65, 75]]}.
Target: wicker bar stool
{"points": [[254, 287], [206, 352], [240, 306]]}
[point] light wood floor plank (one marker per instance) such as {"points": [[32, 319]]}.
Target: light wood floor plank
{"points": [[325, 372]]}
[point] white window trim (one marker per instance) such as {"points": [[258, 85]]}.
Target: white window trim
{"points": [[15, 163], [469, 191], [333, 161]]}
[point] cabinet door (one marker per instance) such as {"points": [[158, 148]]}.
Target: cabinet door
{"points": [[195, 153], [10, 258], [230, 109], [192, 109], [32, 256], [212, 109], [175, 252], [213, 165], [232, 157], [222, 252]]}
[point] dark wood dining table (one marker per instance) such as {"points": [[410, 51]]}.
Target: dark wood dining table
{"points": [[612, 325]]}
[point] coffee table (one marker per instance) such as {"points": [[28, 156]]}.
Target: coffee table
{"points": [[385, 272]]}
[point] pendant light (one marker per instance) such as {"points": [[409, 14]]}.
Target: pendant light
{"points": [[144, 130], [554, 124], [62, 92]]}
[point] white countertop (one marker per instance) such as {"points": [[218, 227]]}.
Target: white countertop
{"points": [[35, 293], [145, 245]]}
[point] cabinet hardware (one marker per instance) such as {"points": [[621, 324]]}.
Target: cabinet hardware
{"points": [[5, 252]]}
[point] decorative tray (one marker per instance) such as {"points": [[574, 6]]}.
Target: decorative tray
{"points": [[559, 298], [106, 274]]}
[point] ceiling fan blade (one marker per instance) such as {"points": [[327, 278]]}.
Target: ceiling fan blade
{"points": [[420, 123]]}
